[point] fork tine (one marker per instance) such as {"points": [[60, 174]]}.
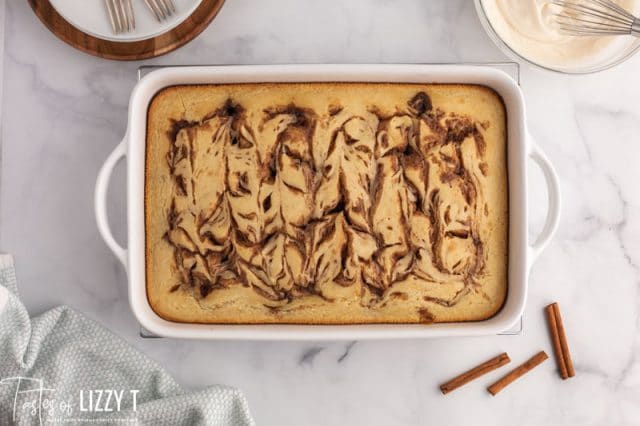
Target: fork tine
{"points": [[132, 17], [154, 9], [123, 15], [112, 18], [119, 16], [171, 6], [162, 7]]}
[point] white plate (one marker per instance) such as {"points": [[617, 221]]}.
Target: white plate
{"points": [[91, 17]]}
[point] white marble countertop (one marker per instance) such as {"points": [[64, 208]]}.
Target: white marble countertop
{"points": [[64, 112]]}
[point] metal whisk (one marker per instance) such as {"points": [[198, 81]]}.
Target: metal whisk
{"points": [[595, 18]]}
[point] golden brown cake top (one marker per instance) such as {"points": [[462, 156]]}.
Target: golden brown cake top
{"points": [[343, 204]]}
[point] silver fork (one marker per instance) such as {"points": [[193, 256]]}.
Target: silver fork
{"points": [[121, 15], [162, 9]]}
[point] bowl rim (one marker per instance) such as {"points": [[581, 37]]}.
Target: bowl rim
{"points": [[511, 53]]}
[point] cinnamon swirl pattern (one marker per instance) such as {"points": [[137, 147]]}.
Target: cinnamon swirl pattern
{"points": [[326, 211]]}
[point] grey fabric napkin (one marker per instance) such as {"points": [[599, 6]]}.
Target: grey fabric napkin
{"points": [[63, 368]]}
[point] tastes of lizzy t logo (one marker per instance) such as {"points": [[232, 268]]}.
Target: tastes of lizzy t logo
{"points": [[30, 397]]}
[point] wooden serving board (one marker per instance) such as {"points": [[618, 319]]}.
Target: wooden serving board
{"points": [[127, 51]]}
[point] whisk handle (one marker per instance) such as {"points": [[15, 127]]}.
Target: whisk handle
{"points": [[635, 27]]}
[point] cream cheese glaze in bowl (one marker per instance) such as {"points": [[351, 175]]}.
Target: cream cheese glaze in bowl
{"points": [[525, 30], [520, 149]]}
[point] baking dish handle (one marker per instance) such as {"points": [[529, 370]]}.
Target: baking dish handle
{"points": [[553, 191], [102, 184]]}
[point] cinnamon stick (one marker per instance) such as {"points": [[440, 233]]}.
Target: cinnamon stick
{"points": [[559, 339], [518, 372], [555, 339], [474, 373]]}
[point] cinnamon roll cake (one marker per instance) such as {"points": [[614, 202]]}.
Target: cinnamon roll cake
{"points": [[326, 203]]}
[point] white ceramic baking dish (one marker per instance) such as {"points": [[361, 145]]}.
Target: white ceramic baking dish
{"points": [[521, 149]]}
